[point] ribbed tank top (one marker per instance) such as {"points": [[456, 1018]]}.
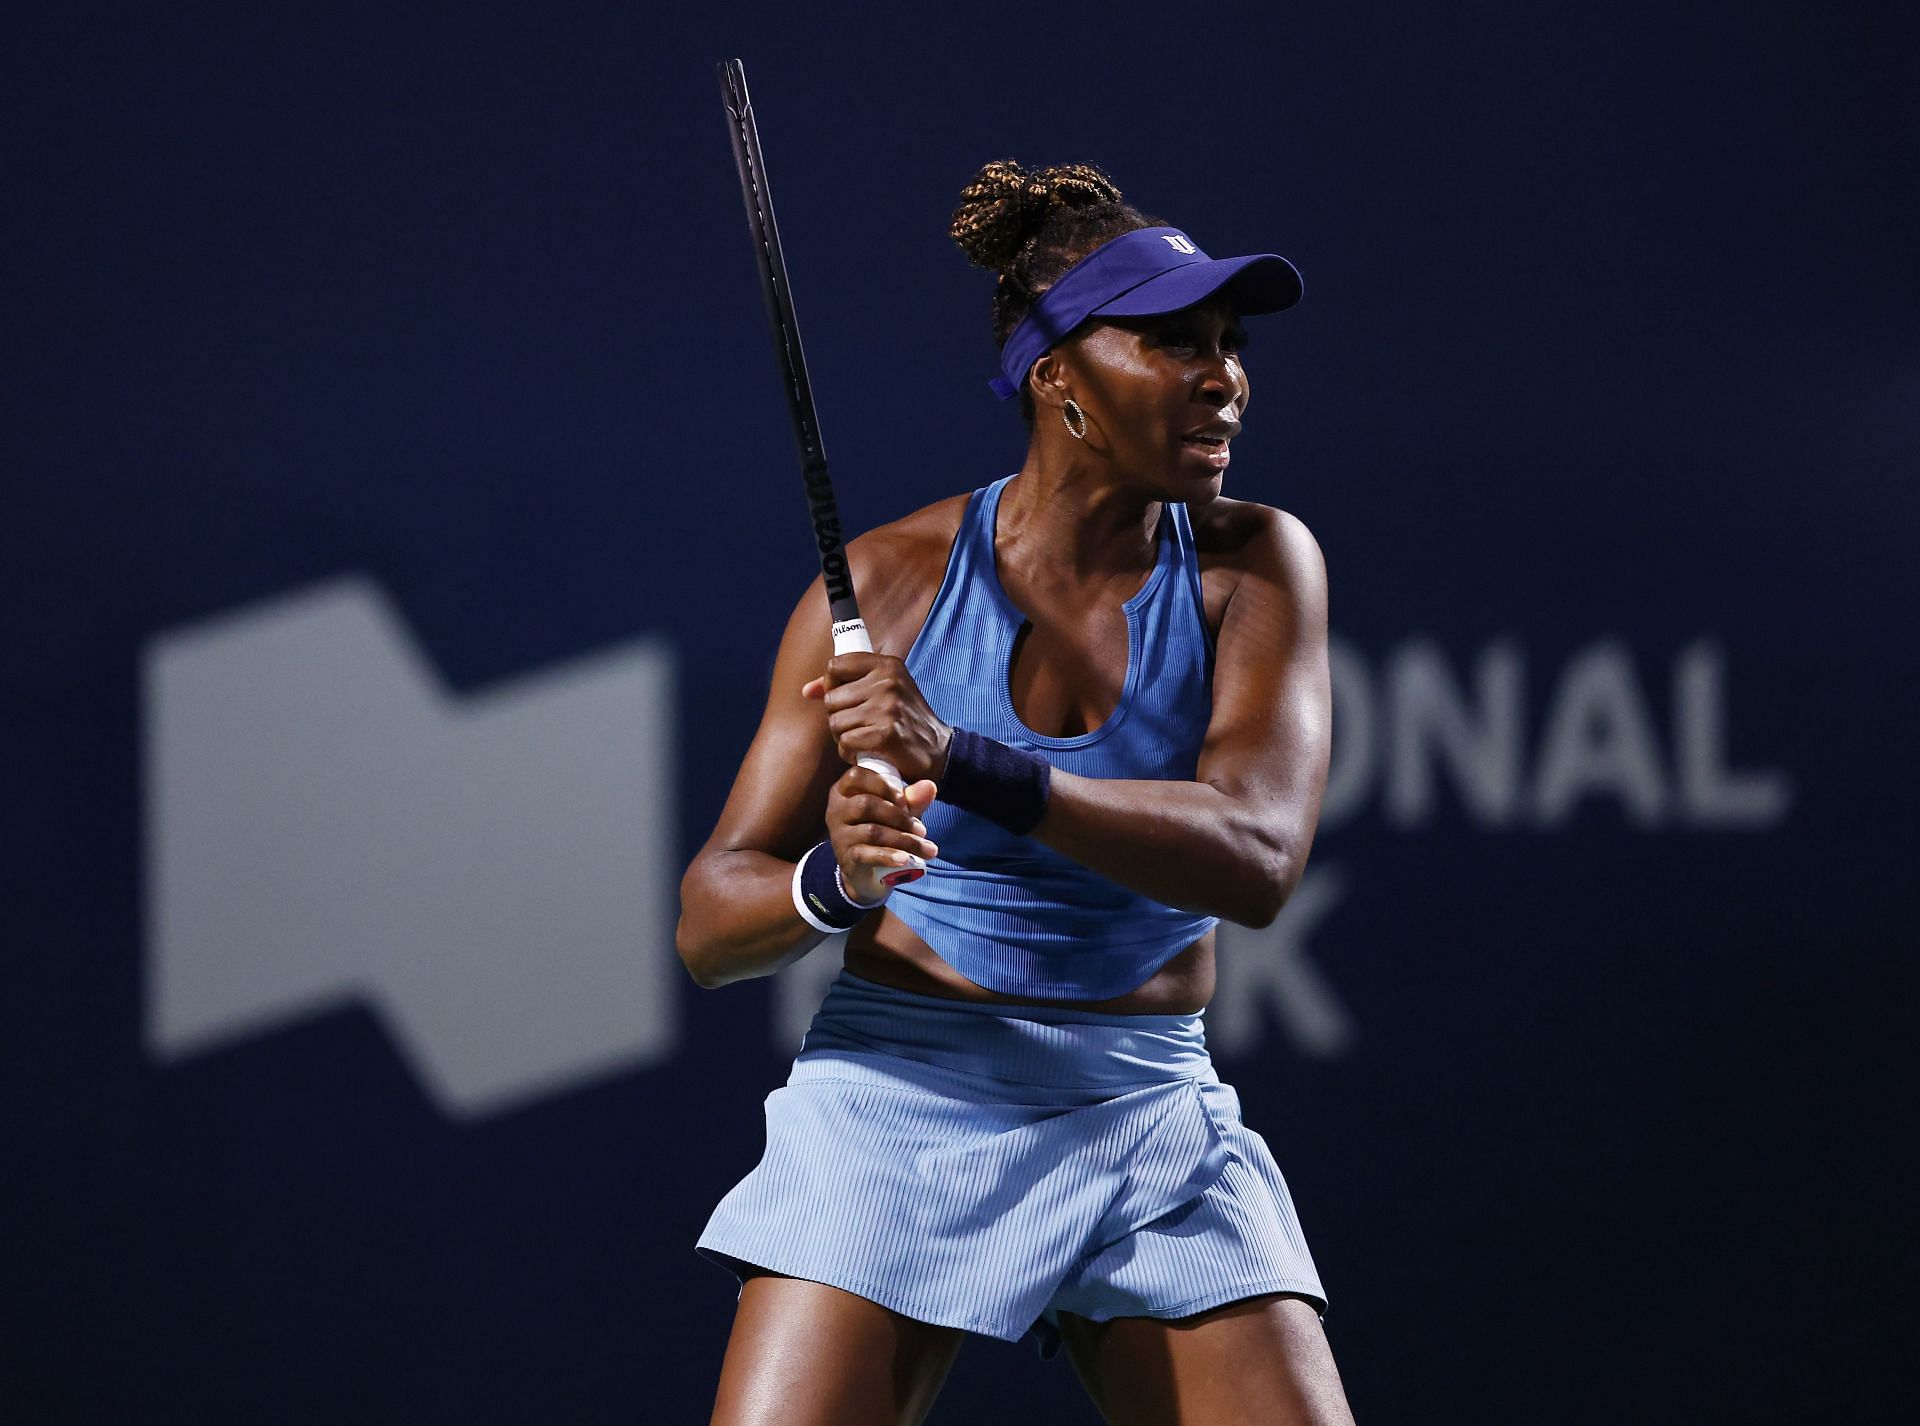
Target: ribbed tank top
{"points": [[1005, 911]]}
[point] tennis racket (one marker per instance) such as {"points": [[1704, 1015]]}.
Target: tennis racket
{"points": [[849, 630]]}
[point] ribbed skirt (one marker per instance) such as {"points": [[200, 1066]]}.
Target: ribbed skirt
{"points": [[990, 1166]]}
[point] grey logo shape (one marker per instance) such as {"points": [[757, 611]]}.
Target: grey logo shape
{"points": [[326, 823]]}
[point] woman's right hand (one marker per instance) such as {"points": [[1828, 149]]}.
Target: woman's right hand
{"points": [[871, 827]]}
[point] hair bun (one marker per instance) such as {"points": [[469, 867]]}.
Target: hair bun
{"points": [[1004, 206]]}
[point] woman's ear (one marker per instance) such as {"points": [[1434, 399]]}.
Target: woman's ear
{"points": [[1048, 381]]}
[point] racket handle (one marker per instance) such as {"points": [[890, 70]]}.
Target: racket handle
{"points": [[918, 868], [850, 637]]}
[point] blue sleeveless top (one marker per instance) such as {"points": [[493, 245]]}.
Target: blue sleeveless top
{"points": [[1005, 911]]}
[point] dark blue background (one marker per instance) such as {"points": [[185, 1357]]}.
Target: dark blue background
{"points": [[1612, 329]]}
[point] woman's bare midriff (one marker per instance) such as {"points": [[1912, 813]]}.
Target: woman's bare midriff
{"points": [[885, 950]]}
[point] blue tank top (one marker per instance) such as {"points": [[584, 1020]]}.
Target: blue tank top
{"points": [[1005, 911]]}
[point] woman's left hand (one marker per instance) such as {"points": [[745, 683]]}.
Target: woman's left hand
{"points": [[874, 709]]}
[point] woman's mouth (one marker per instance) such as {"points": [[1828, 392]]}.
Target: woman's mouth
{"points": [[1213, 449]]}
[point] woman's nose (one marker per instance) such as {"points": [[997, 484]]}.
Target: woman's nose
{"points": [[1222, 386]]}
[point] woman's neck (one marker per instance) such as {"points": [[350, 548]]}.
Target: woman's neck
{"points": [[1070, 525]]}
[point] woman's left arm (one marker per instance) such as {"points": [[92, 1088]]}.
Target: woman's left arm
{"points": [[1234, 842]]}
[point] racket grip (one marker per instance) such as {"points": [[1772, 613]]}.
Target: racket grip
{"points": [[850, 637], [918, 868]]}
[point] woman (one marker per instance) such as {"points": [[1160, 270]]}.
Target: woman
{"points": [[1106, 689]]}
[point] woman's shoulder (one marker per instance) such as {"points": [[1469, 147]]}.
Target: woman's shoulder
{"points": [[1229, 530], [935, 523], [1240, 539], [897, 568]]}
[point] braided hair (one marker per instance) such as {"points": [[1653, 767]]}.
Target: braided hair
{"points": [[1031, 226]]}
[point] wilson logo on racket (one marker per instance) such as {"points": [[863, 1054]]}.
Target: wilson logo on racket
{"points": [[826, 533]]}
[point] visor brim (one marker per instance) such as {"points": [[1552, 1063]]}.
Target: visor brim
{"points": [[1264, 282]]}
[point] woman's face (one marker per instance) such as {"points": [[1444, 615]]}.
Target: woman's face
{"points": [[1167, 392]]}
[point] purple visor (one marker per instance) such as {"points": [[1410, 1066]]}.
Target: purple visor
{"points": [[1138, 274]]}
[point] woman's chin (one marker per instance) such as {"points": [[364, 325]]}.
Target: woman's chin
{"points": [[1205, 486], [1203, 468]]}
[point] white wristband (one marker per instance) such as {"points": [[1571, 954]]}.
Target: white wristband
{"points": [[800, 902]]}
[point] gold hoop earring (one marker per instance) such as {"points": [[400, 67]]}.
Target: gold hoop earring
{"points": [[1081, 433]]}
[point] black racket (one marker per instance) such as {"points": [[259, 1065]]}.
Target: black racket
{"points": [[849, 630]]}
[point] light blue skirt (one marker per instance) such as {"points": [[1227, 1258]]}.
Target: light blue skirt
{"points": [[989, 1167]]}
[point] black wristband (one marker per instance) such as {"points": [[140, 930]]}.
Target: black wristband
{"points": [[1005, 785]]}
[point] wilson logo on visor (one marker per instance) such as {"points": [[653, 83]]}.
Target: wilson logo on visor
{"points": [[1178, 242]]}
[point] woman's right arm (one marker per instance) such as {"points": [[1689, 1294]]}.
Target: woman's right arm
{"points": [[737, 917]]}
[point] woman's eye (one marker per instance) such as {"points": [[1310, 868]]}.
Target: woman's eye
{"points": [[1229, 341]]}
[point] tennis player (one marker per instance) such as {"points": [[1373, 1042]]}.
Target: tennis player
{"points": [[1105, 686]]}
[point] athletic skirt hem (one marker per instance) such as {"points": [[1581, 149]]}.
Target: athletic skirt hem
{"points": [[934, 1314], [974, 1167]]}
